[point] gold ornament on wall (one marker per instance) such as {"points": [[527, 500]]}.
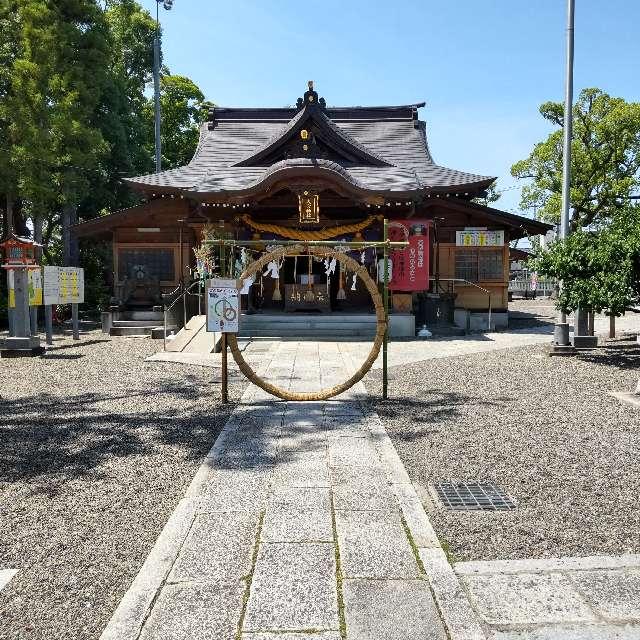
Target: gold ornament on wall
{"points": [[309, 207]]}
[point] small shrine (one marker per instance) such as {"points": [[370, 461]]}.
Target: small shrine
{"points": [[19, 253]]}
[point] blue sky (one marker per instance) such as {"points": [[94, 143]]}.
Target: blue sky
{"points": [[482, 66]]}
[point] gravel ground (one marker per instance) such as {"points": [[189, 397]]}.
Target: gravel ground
{"points": [[542, 428], [96, 449], [524, 314]]}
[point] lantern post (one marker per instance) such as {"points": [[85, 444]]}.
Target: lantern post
{"points": [[20, 259]]}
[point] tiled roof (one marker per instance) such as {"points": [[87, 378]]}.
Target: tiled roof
{"points": [[388, 150]]}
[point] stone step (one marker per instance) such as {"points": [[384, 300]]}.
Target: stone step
{"points": [[328, 318], [156, 316], [306, 333], [137, 323], [136, 331]]}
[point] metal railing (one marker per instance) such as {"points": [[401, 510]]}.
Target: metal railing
{"points": [[182, 295], [542, 287], [468, 282]]}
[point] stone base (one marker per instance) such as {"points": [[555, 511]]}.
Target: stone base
{"points": [[21, 347], [561, 350], [585, 342]]}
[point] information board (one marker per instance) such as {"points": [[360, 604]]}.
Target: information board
{"points": [[223, 309], [479, 238], [63, 285], [35, 288]]}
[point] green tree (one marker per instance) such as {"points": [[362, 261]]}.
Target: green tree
{"points": [[600, 270], [183, 106], [605, 163]]}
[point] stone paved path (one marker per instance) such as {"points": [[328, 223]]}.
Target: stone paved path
{"points": [[589, 598], [297, 526], [302, 524]]}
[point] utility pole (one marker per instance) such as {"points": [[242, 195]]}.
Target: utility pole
{"points": [[561, 331], [167, 4]]}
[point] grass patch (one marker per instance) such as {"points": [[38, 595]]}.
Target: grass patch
{"points": [[341, 615], [249, 578], [412, 544]]}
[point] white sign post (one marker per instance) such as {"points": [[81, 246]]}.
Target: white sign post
{"points": [[223, 308], [223, 315]]}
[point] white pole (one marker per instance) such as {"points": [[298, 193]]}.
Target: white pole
{"points": [[561, 333]]}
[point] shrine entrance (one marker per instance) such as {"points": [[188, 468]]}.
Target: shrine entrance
{"points": [[331, 256]]}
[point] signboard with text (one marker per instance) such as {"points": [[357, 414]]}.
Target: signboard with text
{"points": [[63, 285], [479, 238], [410, 270], [223, 309], [35, 288]]}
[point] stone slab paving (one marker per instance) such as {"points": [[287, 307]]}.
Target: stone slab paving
{"points": [[564, 598], [303, 523], [419, 350], [291, 529]]}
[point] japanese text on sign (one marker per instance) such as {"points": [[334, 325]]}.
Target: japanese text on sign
{"points": [[410, 265], [223, 309], [63, 285], [35, 288], [479, 238]]}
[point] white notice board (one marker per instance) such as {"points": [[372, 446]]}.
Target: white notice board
{"points": [[63, 285], [223, 309]]}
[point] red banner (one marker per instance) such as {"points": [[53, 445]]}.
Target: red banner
{"points": [[410, 266]]}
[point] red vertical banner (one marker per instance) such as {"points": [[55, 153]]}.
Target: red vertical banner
{"points": [[410, 266]]}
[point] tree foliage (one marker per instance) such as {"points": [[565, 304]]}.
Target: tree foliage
{"points": [[183, 107], [75, 111], [600, 270], [605, 162]]}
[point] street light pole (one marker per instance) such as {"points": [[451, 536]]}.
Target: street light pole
{"points": [[167, 4], [561, 332]]}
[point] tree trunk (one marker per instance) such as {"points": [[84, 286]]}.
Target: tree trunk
{"points": [[38, 222], [70, 252], [8, 216]]}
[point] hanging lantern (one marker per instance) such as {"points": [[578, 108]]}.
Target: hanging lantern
{"points": [[309, 207]]}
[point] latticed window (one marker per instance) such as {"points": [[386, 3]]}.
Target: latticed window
{"points": [[476, 264]]}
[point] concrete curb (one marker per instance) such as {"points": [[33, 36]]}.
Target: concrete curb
{"points": [[460, 620], [580, 563], [628, 397]]}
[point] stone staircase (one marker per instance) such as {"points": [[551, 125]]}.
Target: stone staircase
{"points": [[293, 326], [139, 324]]}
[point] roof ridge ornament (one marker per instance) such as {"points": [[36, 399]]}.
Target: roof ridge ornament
{"points": [[310, 99]]}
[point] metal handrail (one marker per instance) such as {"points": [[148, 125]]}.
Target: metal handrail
{"points": [[183, 295], [473, 284]]}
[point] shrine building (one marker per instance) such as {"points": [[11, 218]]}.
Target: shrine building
{"points": [[319, 172]]}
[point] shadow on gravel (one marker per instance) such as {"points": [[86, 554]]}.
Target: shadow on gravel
{"points": [[424, 414], [75, 345], [623, 356], [44, 438]]}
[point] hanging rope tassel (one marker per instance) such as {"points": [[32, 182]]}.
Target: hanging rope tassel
{"points": [[341, 292], [309, 296], [277, 295]]}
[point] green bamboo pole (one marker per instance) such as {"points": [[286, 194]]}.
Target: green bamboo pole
{"points": [[385, 264]]}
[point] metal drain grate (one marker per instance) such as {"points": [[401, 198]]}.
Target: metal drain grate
{"points": [[473, 496]]}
